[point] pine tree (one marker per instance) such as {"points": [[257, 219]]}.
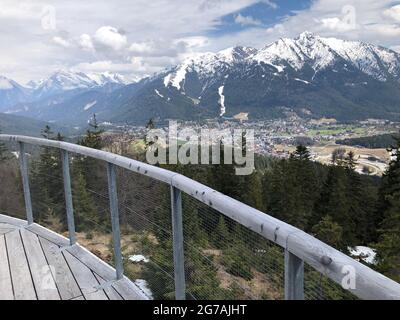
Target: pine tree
{"points": [[47, 181], [85, 212], [301, 153], [329, 232], [338, 156], [93, 171], [350, 162], [357, 199], [221, 234], [389, 242], [291, 189], [251, 191], [150, 124], [335, 202], [93, 138]]}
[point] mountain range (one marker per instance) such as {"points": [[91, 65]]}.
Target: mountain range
{"points": [[310, 75]]}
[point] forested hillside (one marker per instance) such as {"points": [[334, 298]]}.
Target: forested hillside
{"points": [[373, 142]]}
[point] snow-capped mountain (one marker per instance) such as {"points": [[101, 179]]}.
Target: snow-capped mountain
{"points": [[68, 80], [39, 99], [322, 53], [307, 50], [11, 93], [208, 65], [309, 75]]}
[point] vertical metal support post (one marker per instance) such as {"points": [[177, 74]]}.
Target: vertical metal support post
{"points": [[68, 196], [23, 161], [112, 191], [294, 277], [177, 232]]}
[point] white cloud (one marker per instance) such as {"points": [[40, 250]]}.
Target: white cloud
{"points": [[247, 20], [110, 37], [141, 47], [272, 4], [386, 30], [393, 12], [276, 29], [337, 24], [85, 42], [62, 42]]}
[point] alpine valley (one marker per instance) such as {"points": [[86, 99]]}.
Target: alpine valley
{"points": [[310, 75]]}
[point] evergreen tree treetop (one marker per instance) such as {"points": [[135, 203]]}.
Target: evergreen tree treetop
{"points": [[93, 135], [350, 161], [150, 124], [389, 242], [301, 153]]}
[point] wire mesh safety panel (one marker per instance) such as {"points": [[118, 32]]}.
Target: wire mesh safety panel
{"points": [[222, 259]]}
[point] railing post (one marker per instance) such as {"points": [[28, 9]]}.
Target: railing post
{"points": [[68, 196], [25, 182], [294, 277], [112, 192], [177, 233]]}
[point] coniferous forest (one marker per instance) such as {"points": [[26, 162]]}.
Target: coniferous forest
{"points": [[332, 202]]}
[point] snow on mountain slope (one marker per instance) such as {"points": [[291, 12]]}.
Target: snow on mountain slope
{"points": [[68, 80], [326, 76], [5, 84], [11, 93], [104, 78], [307, 49], [321, 53], [366, 57], [222, 100], [207, 64]]}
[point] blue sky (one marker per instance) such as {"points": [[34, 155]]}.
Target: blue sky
{"points": [[137, 38], [261, 14]]}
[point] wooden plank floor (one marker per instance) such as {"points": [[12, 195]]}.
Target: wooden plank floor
{"points": [[38, 264]]}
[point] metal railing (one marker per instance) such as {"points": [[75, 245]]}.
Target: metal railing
{"points": [[299, 247]]}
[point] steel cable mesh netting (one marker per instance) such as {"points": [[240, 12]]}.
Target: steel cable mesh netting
{"points": [[318, 286], [11, 191], [224, 260], [146, 233], [91, 206], [89, 194]]}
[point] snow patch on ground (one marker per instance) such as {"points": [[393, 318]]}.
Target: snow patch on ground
{"points": [[158, 93], [222, 100], [301, 80], [16, 154], [363, 253], [279, 68], [144, 286], [89, 105], [138, 258]]}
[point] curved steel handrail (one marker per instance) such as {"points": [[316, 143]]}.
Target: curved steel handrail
{"points": [[325, 259]]}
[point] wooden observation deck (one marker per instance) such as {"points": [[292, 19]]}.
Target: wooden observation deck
{"points": [[38, 264]]}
